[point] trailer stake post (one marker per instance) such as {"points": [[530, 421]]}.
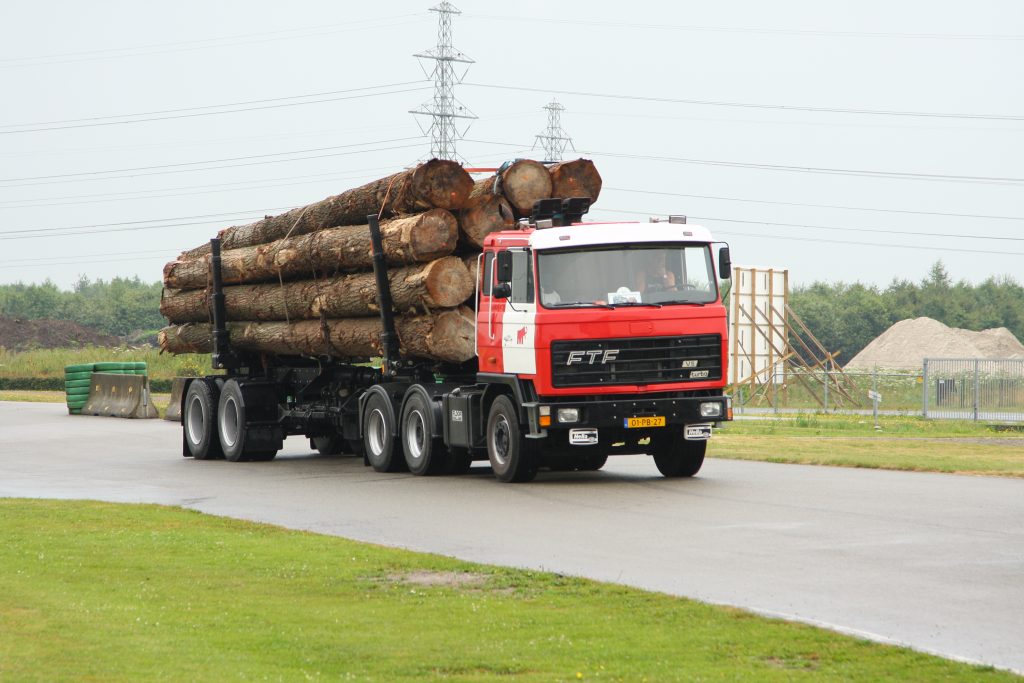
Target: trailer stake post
{"points": [[388, 337]]}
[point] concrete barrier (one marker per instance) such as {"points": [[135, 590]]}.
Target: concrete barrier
{"points": [[174, 407], [117, 395]]}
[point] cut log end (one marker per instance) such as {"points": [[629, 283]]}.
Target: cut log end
{"points": [[524, 183], [436, 236], [578, 178], [448, 282], [442, 184]]}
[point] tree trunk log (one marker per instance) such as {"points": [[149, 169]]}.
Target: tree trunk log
{"points": [[577, 178], [435, 184], [444, 336], [523, 183], [444, 283], [485, 213], [413, 239]]}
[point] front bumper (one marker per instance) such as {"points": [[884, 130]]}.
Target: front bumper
{"points": [[613, 413]]}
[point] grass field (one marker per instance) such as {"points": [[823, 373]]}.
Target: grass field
{"points": [[904, 443], [95, 591], [50, 362]]}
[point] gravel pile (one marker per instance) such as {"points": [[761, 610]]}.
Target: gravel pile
{"points": [[905, 345]]}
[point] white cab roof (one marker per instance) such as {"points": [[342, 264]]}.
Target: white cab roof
{"points": [[588, 234]]}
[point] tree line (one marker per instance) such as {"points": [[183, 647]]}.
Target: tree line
{"points": [[121, 307], [847, 317], [844, 317]]}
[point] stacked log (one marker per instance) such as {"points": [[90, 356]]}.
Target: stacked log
{"points": [[301, 283], [445, 335]]}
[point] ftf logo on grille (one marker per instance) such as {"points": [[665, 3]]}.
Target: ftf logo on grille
{"points": [[592, 357]]}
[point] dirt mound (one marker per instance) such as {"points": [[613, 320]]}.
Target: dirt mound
{"points": [[22, 335], [906, 344]]}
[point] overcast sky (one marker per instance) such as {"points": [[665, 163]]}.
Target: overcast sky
{"points": [[859, 140]]}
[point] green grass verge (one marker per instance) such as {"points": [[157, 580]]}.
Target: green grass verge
{"points": [[903, 443], [94, 591], [50, 363]]}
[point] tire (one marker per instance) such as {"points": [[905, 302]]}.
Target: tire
{"points": [[199, 420], [77, 391], [77, 376], [512, 458], [239, 441], [77, 383], [111, 367], [383, 451], [424, 451], [80, 367], [676, 457], [77, 405], [331, 444]]}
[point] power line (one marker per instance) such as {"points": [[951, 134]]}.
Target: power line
{"points": [[767, 31], [63, 260], [829, 241], [210, 161], [211, 168], [752, 105], [211, 106], [797, 169], [187, 45], [133, 228], [207, 113], [817, 206], [205, 188], [151, 220]]}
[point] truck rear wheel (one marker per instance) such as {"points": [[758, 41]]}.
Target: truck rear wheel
{"points": [[382, 449], [199, 421], [238, 439], [512, 458], [424, 452], [677, 457]]}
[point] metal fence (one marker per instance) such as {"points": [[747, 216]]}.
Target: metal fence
{"points": [[974, 389], [835, 391], [958, 389]]}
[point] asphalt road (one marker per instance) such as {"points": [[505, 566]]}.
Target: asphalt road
{"points": [[932, 561]]}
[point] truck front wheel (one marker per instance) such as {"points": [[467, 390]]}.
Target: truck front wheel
{"points": [[199, 421], [382, 449], [512, 458], [677, 457]]}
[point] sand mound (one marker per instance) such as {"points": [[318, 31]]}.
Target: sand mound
{"points": [[906, 344]]}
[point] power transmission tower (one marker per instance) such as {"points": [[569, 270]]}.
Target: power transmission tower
{"points": [[444, 108], [554, 139]]}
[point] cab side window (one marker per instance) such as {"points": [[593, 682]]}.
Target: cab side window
{"points": [[522, 277], [488, 273]]}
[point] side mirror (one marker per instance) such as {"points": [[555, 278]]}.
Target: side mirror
{"points": [[503, 266], [724, 264], [502, 290]]}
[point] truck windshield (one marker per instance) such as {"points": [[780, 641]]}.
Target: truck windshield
{"points": [[640, 275]]}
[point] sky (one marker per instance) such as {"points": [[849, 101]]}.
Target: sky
{"points": [[844, 141]]}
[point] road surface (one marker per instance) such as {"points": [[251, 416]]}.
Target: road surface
{"points": [[932, 561]]}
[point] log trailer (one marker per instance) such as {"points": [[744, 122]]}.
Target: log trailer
{"points": [[592, 339]]}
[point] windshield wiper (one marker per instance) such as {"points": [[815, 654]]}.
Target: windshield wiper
{"points": [[637, 303], [686, 301], [587, 304]]}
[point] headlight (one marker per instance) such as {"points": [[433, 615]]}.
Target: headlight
{"points": [[711, 409], [568, 414]]}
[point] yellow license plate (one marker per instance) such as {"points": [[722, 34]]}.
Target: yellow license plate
{"points": [[641, 422]]}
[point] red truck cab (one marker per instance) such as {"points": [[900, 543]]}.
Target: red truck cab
{"points": [[614, 333]]}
